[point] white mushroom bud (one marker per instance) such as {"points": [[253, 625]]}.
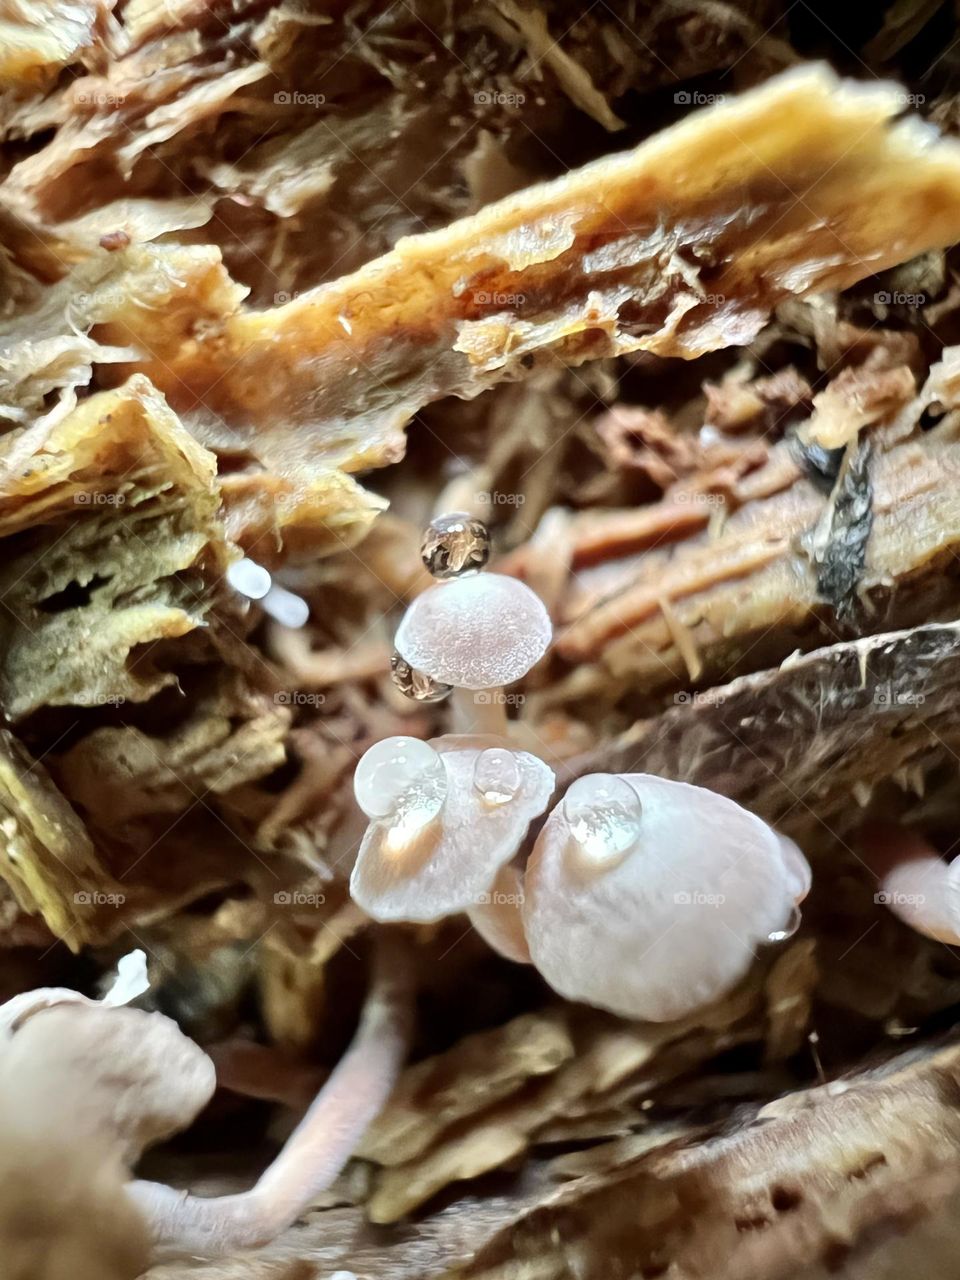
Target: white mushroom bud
{"points": [[446, 817], [649, 898]]}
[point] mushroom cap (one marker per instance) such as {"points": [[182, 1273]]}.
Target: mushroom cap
{"points": [[668, 923], [476, 632], [453, 861], [915, 883]]}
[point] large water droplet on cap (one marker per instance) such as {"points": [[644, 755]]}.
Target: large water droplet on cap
{"points": [[603, 813], [402, 782], [496, 775], [455, 544]]}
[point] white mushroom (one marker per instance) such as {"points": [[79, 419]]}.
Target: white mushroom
{"points": [[649, 897], [476, 633], [446, 817]]}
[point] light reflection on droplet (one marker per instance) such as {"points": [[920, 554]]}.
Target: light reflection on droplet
{"points": [[496, 775], [603, 813], [789, 929], [402, 782]]}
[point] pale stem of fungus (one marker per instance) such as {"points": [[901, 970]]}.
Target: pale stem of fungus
{"points": [[479, 711], [317, 1150]]}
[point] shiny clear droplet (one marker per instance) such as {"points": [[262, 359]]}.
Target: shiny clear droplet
{"points": [[402, 782], [455, 544], [603, 813], [414, 684], [496, 775], [789, 929]]}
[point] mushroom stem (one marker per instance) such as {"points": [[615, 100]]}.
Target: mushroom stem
{"points": [[479, 711], [316, 1151]]}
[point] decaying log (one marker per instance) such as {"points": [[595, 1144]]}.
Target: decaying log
{"points": [[811, 1185], [680, 247], [796, 743]]}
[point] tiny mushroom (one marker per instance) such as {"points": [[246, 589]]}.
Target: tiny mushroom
{"points": [[446, 818], [144, 1080], [473, 634], [914, 881], [648, 897]]}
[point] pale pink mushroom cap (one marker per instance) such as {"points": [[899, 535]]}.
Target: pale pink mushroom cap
{"points": [[914, 881], [669, 921], [476, 632], [449, 864]]}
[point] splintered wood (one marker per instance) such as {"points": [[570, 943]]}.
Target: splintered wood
{"points": [[679, 247]]}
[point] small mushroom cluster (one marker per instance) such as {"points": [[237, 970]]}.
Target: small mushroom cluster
{"points": [[642, 896]]}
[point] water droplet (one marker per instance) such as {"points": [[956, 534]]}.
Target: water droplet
{"points": [[455, 544], [496, 775], [402, 782], [789, 929], [603, 813], [414, 684]]}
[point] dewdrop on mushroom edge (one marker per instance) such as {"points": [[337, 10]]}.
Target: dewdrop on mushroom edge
{"points": [[649, 898], [472, 632]]}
